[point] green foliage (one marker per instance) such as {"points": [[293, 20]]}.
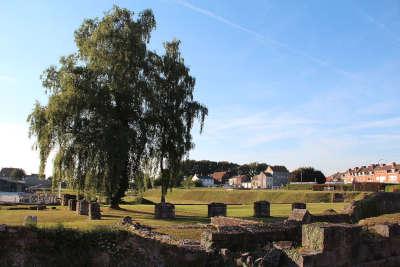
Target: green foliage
{"points": [[206, 167], [188, 183], [307, 174], [114, 104], [15, 173], [173, 111]]}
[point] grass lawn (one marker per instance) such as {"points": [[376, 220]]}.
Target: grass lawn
{"points": [[236, 196], [185, 215]]}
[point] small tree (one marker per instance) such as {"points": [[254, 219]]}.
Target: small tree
{"points": [[173, 111], [307, 174]]}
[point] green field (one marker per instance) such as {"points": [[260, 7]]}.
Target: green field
{"points": [[234, 196], [185, 215]]}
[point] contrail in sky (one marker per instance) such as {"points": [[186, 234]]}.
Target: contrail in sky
{"points": [[261, 38], [380, 25]]}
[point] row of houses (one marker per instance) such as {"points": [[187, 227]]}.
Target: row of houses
{"points": [[271, 177], [377, 173]]}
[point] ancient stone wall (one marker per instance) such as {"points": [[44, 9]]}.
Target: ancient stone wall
{"points": [[82, 207], [72, 204], [164, 211], [237, 235], [94, 211], [261, 209], [46, 247], [65, 198], [325, 244], [216, 209], [374, 205]]}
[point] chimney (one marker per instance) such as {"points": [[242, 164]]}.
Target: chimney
{"points": [[393, 163]]}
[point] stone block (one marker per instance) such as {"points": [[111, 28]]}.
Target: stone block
{"points": [[82, 207], [299, 205], [94, 211], [216, 209], [72, 204], [65, 198], [300, 215], [386, 230], [338, 197], [164, 211], [261, 209], [327, 237]]}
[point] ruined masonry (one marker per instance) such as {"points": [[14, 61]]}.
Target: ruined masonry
{"points": [[261, 209], [72, 204], [164, 211], [82, 207], [216, 209], [94, 211]]}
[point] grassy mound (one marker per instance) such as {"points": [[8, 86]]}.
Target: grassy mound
{"points": [[207, 195]]}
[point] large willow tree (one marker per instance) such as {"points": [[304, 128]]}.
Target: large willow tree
{"points": [[105, 106]]}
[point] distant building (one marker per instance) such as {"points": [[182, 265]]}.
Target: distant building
{"points": [[236, 181], [205, 181], [246, 185], [335, 178], [33, 181], [378, 173], [273, 176], [10, 185], [221, 177]]}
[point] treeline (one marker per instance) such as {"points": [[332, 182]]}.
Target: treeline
{"points": [[307, 174], [206, 167]]}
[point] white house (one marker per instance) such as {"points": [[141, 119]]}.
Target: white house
{"points": [[206, 181], [272, 177]]}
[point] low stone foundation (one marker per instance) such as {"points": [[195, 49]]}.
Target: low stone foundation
{"points": [[374, 205], [82, 207], [72, 204], [164, 211], [216, 209], [94, 211], [243, 235], [299, 205], [261, 209], [325, 245], [304, 216]]}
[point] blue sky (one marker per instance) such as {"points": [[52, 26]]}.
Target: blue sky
{"points": [[286, 82]]}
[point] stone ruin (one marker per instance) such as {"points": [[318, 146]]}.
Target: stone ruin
{"points": [[216, 209], [94, 211], [72, 204], [261, 209], [164, 211], [65, 198], [82, 207]]}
